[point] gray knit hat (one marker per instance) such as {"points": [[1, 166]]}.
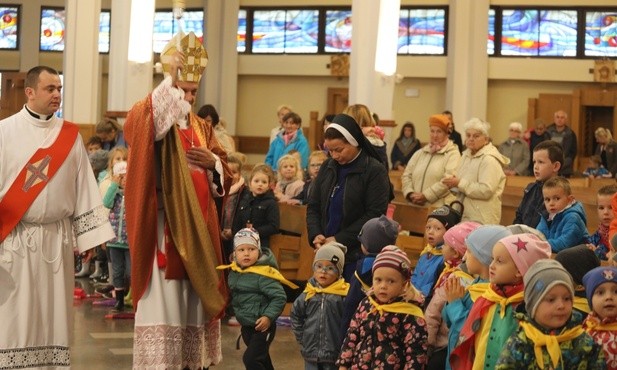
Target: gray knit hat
{"points": [[543, 275], [377, 233], [481, 241], [333, 252], [247, 236], [98, 160]]}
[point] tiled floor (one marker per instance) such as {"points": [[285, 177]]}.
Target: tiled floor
{"points": [[101, 344]]}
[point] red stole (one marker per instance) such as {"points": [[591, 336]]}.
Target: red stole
{"points": [[33, 178]]}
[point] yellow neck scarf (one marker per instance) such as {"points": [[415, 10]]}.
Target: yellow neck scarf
{"points": [[551, 342], [476, 290], [339, 287], [432, 250], [593, 323], [365, 287], [492, 296], [581, 304], [396, 307], [267, 271], [455, 270]]}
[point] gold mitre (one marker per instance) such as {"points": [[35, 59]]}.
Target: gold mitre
{"points": [[195, 56]]}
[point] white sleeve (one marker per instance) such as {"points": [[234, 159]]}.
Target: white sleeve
{"points": [[169, 107], [217, 190]]}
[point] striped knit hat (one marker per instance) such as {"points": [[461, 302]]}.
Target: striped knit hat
{"points": [[392, 256]]}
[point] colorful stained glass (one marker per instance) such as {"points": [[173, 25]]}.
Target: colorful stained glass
{"points": [[165, 26], [104, 30], [425, 31], [338, 31], [9, 24], [601, 34], [241, 47], [53, 28], [285, 31], [532, 32], [490, 43]]}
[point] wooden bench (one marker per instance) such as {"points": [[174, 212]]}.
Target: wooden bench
{"points": [[410, 217], [395, 179], [412, 245], [523, 181]]}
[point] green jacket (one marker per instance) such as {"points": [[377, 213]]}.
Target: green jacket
{"points": [[253, 295]]}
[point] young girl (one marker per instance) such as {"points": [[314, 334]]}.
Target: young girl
{"points": [[430, 264], [454, 249], [480, 243], [386, 331], [317, 312], [550, 335], [316, 159], [491, 320], [118, 247], [601, 287], [290, 177], [257, 206], [231, 204], [578, 261]]}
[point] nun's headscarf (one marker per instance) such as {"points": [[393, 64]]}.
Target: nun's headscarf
{"points": [[349, 128]]}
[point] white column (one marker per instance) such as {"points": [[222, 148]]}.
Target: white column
{"points": [[81, 61], [366, 86], [29, 34], [220, 81], [467, 71], [128, 81]]}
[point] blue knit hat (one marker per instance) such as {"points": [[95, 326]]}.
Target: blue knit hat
{"points": [[597, 276], [481, 241]]}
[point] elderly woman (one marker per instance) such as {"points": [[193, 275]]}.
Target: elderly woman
{"points": [[479, 178], [289, 139], [404, 147], [422, 177], [352, 187], [606, 149], [516, 150]]}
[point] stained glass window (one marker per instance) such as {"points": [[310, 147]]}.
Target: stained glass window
{"points": [[532, 32], [53, 30], [601, 34], [285, 31], [9, 25], [422, 31], [338, 31], [241, 47], [165, 26], [490, 43]]}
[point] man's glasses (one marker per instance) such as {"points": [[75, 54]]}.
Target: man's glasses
{"points": [[319, 267]]}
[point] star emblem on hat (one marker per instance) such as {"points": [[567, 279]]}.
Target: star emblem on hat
{"points": [[520, 245], [608, 274]]}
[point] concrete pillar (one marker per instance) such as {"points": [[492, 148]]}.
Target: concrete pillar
{"points": [[81, 61], [467, 66], [219, 84], [128, 81]]}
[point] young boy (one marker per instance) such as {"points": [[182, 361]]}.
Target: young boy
{"points": [[93, 144], [491, 319], [566, 223], [257, 296], [599, 241], [478, 257], [230, 204], [316, 313], [430, 264], [595, 169], [547, 160], [374, 235], [550, 335], [386, 331], [601, 324]]}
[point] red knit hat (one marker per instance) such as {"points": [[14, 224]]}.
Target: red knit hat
{"points": [[392, 256]]}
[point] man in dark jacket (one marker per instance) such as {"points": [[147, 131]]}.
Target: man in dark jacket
{"points": [[564, 135]]}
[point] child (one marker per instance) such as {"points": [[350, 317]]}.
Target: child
{"points": [[386, 331], [480, 243], [257, 206], [230, 204], [547, 160], [454, 249], [316, 159], [290, 176], [98, 161], [566, 223], [257, 296], [578, 261], [93, 144], [550, 335], [491, 320], [118, 247], [316, 313], [596, 169], [375, 234], [117, 154], [430, 263], [601, 287], [599, 242]]}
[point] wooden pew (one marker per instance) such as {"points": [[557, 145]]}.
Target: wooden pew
{"points": [[395, 179], [412, 245], [411, 218], [523, 181]]}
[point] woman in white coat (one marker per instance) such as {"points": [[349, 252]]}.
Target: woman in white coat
{"points": [[480, 177]]}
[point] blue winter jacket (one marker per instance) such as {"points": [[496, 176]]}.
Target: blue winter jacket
{"points": [[278, 149], [567, 229]]}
